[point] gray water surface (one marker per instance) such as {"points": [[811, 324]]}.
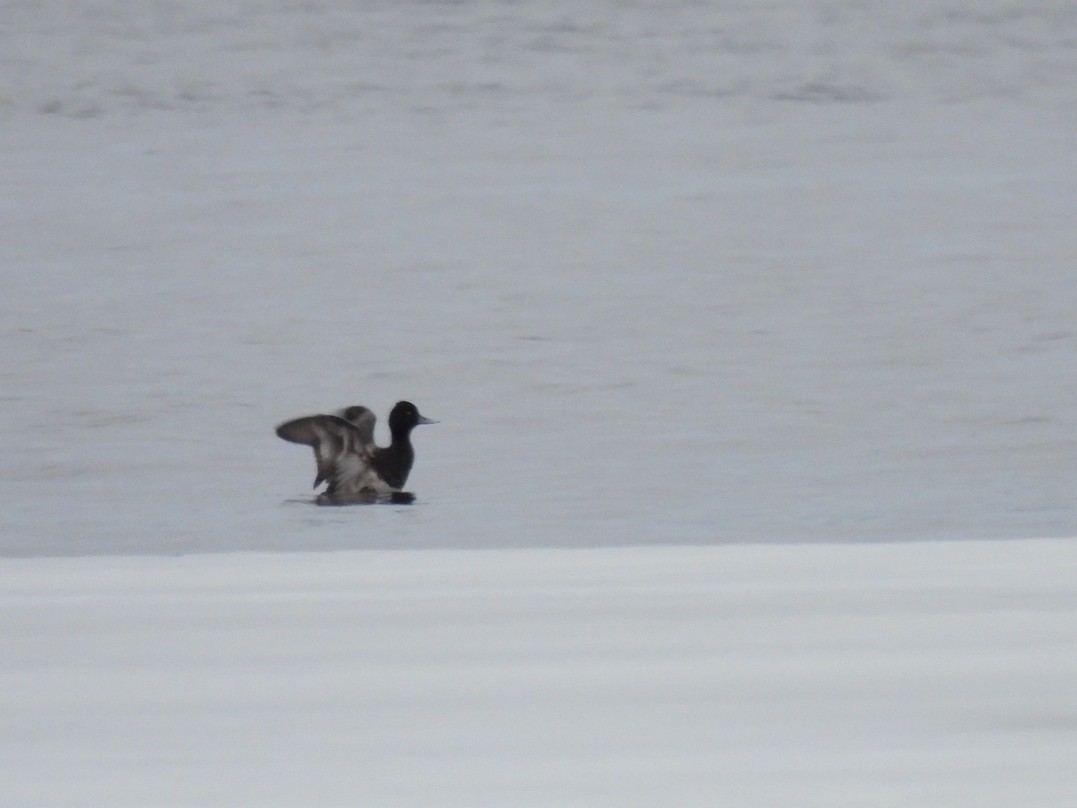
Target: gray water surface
{"points": [[666, 273]]}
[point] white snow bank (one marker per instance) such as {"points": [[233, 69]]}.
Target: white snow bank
{"points": [[819, 675]]}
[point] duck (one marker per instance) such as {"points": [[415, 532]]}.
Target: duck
{"points": [[355, 468]]}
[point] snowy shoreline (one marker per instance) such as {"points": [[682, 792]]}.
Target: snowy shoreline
{"points": [[818, 675]]}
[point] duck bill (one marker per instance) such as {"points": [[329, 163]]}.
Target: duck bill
{"points": [[424, 420]]}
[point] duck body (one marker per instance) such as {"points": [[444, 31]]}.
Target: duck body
{"points": [[355, 469]]}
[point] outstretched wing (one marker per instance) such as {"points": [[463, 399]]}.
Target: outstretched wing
{"points": [[362, 418], [337, 443]]}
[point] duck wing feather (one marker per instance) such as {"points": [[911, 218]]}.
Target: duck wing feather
{"points": [[339, 445]]}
